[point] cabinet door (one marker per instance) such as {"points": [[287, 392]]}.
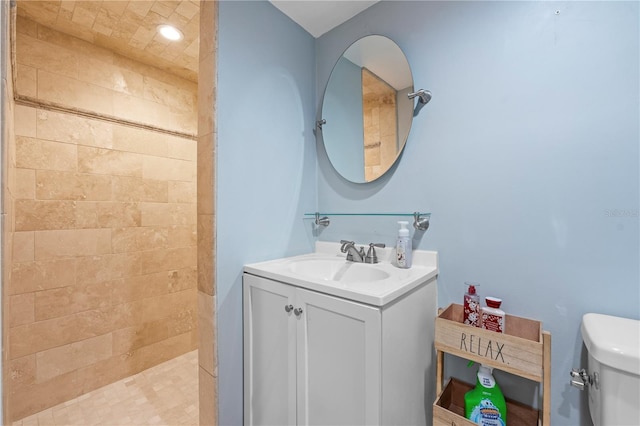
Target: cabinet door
{"points": [[269, 352], [338, 361]]}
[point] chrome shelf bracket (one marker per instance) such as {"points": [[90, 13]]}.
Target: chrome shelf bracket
{"points": [[322, 221], [424, 96], [420, 222]]}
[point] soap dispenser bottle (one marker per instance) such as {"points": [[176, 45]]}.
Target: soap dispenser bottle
{"points": [[403, 246]]}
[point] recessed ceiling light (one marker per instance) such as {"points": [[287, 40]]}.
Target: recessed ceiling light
{"points": [[170, 33]]}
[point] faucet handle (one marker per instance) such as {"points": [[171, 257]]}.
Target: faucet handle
{"points": [[372, 257], [346, 244]]}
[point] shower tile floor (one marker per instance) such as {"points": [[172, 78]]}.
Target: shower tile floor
{"points": [[166, 394]]}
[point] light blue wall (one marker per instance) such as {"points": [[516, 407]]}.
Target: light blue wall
{"points": [[527, 156], [266, 168]]}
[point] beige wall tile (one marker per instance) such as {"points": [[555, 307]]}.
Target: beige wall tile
{"points": [[27, 81], [59, 302], [173, 97], [74, 93], [183, 121], [136, 189], [166, 349], [109, 162], [112, 77], [55, 185], [80, 47], [182, 192], [25, 187], [132, 338], [26, 26], [182, 148], [72, 243], [124, 315], [140, 287], [55, 332], [206, 175], [25, 121], [182, 279], [126, 240], [22, 372], [54, 362], [21, 309], [42, 55], [42, 335], [156, 214], [144, 111], [208, 397], [41, 154], [207, 331], [23, 247], [33, 215], [109, 370], [182, 236], [107, 267], [118, 215], [141, 141], [86, 214], [37, 397], [183, 214], [74, 129], [206, 95], [168, 259], [208, 27], [168, 169], [40, 275], [184, 321], [206, 254], [169, 305]]}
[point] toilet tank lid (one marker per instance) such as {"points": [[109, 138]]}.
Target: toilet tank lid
{"points": [[613, 341]]}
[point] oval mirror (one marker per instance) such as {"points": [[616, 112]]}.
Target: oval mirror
{"points": [[366, 109]]}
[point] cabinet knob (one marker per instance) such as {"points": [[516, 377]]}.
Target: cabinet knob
{"points": [[297, 311], [288, 308]]}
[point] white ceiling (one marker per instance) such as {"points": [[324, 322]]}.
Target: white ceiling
{"points": [[320, 16]]}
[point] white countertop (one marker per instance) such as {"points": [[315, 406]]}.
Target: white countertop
{"points": [[377, 292]]}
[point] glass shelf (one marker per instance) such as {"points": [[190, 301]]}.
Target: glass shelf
{"points": [[420, 220], [367, 214]]}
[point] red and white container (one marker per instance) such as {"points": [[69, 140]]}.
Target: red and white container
{"points": [[492, 316], [471, 306]]}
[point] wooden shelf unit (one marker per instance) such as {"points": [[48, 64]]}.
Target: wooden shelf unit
{"points": [[524, 350]]}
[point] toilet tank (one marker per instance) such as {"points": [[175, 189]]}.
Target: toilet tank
{"points": [[613, 346]]}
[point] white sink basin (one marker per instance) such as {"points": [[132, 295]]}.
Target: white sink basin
{"points": [[338, 270], [329, 272]]}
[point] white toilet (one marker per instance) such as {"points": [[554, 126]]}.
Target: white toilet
{"points": [[613, 373]]}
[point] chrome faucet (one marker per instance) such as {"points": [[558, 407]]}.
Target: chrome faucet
{"points": [[353, 254]]}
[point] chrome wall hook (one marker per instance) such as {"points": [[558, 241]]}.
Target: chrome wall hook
{"points": [[320, 123], [322, 221], [421, 223]]}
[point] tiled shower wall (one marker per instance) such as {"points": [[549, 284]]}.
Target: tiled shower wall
{"points": [[8, 176], [208, 346], [379, 113], [103, 274]]}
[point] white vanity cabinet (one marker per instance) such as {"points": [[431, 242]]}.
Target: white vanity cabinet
{"points": [[314, 358]]}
